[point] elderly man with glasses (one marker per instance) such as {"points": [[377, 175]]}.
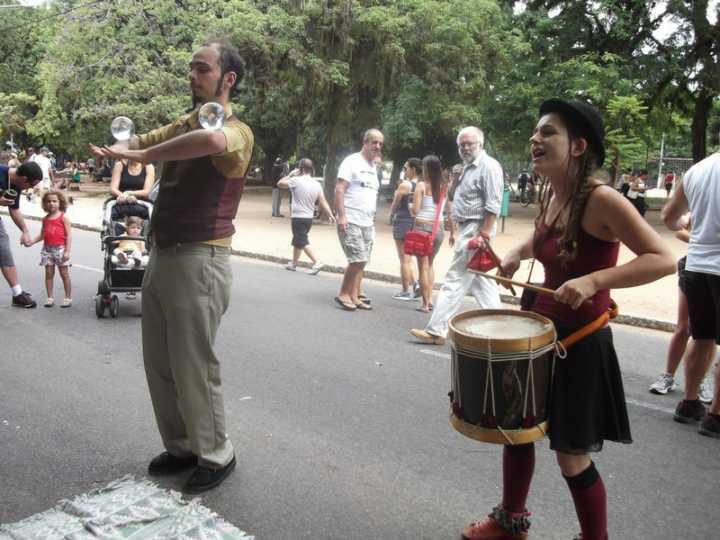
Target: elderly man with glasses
{"points": [[475, 204]]}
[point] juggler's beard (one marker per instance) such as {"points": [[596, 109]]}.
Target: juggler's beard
{"points": [[197, 100]]}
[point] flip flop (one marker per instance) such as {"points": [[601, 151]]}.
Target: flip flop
{"points": [[347, 306], [422, 310], [363, 306]]}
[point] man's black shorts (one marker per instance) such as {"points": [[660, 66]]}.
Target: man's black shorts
{"points": [[703, 297], [300, 230]]}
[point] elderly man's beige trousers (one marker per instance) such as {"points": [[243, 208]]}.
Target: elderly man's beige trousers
{"points": [[186, 290]]}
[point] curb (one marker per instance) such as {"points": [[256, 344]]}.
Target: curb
{"points": [[628, 320]]}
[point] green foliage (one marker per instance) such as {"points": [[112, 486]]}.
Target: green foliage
{"points": [[625, 118], [15, 110], [320, 73]]}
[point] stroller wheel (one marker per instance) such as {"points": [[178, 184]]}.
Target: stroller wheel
{"points": [[114, 306], [99, 307]]}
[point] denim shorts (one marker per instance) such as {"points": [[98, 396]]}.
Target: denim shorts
{"points": [[400, 227], [357, 242]]}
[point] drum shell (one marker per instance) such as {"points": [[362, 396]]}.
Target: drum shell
{"points": [[498, 395]]}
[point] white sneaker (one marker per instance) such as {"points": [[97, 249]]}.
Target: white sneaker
{"points": [[315, 268], [706, 390], [665, 383], [291, 267], [404, 295]]}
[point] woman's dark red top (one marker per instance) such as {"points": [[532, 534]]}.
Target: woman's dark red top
{"points": [[593, 254]]}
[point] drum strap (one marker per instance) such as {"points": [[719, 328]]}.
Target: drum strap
{"points": [[594, 326]]}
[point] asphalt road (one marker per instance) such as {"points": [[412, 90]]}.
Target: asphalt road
{"points": [[339, 420]]}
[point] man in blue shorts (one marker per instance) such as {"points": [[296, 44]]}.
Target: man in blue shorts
{"points": [[12, 182]]}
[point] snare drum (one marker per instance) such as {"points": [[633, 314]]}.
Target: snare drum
{"points": [[501, 373]]}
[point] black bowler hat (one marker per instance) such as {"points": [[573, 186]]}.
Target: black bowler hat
{"points": [[584, 118]]}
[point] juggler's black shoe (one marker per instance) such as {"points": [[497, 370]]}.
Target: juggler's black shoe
{"points": [[166, 464], [204, 478]]}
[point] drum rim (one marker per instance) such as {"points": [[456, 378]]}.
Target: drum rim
{"points": [[499, 436], [458, 337]]}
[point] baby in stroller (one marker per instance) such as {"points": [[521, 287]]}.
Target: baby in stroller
{"points": [[130, 252], [124, 242]]}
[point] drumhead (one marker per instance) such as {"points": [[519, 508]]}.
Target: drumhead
{"points": [[502, 326], [502, 330]]}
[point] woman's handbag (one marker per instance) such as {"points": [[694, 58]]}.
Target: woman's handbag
{"points": [[421, 243]]}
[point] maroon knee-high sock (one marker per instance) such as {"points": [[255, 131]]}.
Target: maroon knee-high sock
{"points": [[590, 498], [518, 468]]}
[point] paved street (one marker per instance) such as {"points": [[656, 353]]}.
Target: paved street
{"points": [[339, 420]]}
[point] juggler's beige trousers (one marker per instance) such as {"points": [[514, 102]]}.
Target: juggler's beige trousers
{"points": [[186, 290]]}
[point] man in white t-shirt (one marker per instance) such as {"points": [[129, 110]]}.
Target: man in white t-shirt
{"points": [[355, 202], [306, 193], [699, 191], [43, 160]]}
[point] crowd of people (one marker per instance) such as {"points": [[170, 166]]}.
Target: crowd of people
{"points": [[581, 224], [577, 236], [40, 179]]}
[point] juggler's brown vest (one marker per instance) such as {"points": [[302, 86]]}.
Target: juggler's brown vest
{"points": [[196, 203]]}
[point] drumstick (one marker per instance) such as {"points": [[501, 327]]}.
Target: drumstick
{"points": [[496, 260], [509, 281], [502, 279]]}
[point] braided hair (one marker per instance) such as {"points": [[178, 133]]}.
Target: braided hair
{"points": [[583, 183]]}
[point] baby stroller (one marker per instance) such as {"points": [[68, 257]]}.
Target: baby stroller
{"points": [[118, 276]]}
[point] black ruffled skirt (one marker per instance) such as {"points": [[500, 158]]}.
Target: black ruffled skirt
{"points": [[587, 400]]}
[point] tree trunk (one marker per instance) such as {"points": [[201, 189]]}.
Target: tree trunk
{"points": [[336, 102], [703, 105], [267, 168], [614, 168], [399, 157], [331, 166]]}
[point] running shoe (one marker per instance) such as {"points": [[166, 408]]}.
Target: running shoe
{"points": [[291, 267], [665, 383], [706, 390], [710, 426], [315, 268], [688, 412], [404, 295]]}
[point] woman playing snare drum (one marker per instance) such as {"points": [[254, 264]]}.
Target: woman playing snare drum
{"points": [[577, 237]]}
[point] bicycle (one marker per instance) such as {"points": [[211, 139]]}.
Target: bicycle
{"points": [[528, 194]]}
